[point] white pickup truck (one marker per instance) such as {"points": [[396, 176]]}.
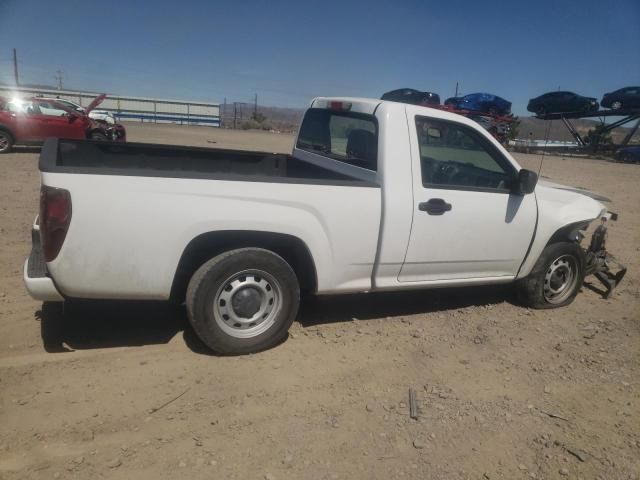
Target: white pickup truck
{"points": [[375, 196]]}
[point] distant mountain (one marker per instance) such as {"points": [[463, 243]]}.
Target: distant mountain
{"points": [[283, 119]]}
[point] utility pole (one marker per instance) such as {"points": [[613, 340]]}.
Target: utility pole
{"points": [[456, 90], [235, 114], [58, 77], [255, 107], [15, 67], [223, 117]]}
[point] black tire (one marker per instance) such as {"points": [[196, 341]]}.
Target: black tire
{"points": [[98, 136], [534, 290], [6, 141], [541, 110], [264, 278]]}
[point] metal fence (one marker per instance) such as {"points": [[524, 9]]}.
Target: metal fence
{"points": [[153, 110]]}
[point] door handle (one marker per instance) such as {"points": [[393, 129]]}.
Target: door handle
{"points": [[435, 206]]}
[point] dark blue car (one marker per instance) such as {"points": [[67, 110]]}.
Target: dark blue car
{"points": [[481, 102], [629, 154]]}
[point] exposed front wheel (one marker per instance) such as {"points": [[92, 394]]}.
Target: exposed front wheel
{"points": [[617, 105], [6, 141], [98, 136], [243, 301], [555, 279]]}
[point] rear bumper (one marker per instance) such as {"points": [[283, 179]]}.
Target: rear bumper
{"points": [[36, 278]]}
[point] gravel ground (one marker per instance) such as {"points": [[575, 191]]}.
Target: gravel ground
{"points": [[502, 392]]}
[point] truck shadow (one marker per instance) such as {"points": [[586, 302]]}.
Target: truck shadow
{"points": [[349, 308], [82, 325], [106, 324], [26, 149]]}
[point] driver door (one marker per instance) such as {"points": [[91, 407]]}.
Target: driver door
{"points": [[466, 222]]}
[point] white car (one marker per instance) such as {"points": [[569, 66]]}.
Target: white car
{"points": [[103, 115], [375, 196]]}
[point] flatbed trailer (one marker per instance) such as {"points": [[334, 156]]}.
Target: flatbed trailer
{"points": [[628, 115]]}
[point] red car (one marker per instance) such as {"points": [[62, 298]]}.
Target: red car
{"points": [[31, 121]]}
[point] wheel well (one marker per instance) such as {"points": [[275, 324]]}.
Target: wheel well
{"points": [[6, 129], [208, 245], [569, 233]]}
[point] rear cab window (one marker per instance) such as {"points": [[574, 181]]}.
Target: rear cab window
{"points": [[349, 137]]}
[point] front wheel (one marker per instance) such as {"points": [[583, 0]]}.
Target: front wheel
{"points": [[243, 301], [6, 141], [98, 136], [555, 279], [617, 105]]}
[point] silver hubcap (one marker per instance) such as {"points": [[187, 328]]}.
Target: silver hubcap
{"points": [[247, 303], [616, 105], [560, 279]]}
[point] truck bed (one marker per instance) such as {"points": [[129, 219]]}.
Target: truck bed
{"points": [[151, 160]]}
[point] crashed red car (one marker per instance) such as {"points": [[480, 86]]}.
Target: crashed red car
{"points": [[31, 121]]}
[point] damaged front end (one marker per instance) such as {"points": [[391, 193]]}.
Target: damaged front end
{"points": [[601, 263]]}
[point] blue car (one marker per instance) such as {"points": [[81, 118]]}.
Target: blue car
{"points": [[629, 154], [481, 102]]}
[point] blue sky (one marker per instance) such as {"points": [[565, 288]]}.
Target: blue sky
{"points": [[290, 51]]}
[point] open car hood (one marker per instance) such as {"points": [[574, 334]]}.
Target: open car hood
{"points": [[96, 101]]}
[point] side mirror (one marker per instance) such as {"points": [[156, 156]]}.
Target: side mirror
{"points": [[526, 182]]}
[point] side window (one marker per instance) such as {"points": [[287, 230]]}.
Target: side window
{"points": [[346, 136], [20, 107], [455, 156], [50, 109]]}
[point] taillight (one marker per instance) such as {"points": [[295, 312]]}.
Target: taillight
{"points": [[339, 106], [55, 216]]}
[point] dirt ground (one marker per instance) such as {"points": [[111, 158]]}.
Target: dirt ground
{"points": [[126, 391]]}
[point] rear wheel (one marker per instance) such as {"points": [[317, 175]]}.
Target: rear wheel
{"points": [[6, 141], [555, 279], [243, 301]]}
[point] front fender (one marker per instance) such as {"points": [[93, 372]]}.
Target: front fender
{"points": [[559, 209]]}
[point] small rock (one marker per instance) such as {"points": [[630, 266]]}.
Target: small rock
{"points": [[369, 407], [182, 464], [547, 389], [418, 444], [115, 463], [287, 460], [477, 340], [522, 467], [564, 471], [56, 475], [78, 460], [213, 463], [268, 476]]}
